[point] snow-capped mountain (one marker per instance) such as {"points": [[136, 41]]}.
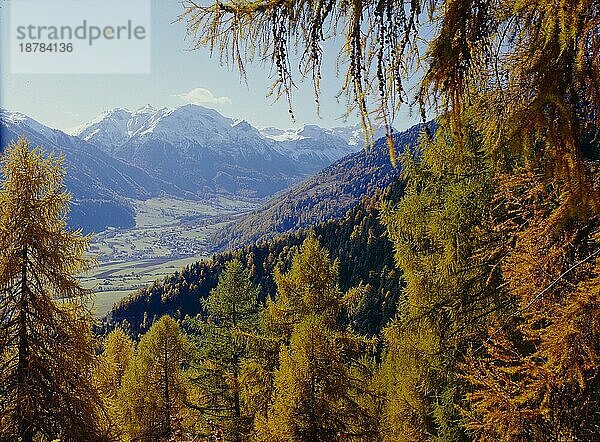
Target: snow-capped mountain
{"points": [[19, 120], [200, 150], [100, 184], [195, 148], [355, 135], [311, 146]]}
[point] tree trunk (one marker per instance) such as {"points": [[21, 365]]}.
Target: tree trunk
{"points": [[236, 387], [236, 403], [25, 430], [166, 398]]}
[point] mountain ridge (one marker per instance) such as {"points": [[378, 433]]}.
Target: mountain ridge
{"points": [[100, 184], [194, 136], [326, 195]]}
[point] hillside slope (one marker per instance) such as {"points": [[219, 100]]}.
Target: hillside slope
{"points": [[357, 241], [325, 196]]}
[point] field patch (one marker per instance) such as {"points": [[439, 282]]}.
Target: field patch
{"points": [[169, 234]]}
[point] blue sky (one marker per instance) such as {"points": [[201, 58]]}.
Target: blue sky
{"points": [[178, 75]]}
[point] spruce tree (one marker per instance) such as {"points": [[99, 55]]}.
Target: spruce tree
{"points": [[46, 349]]}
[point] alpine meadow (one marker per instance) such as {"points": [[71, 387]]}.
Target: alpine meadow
{"points": [[440, 283]]}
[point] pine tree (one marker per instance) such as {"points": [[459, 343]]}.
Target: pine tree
{"points": [[232, 309], [46, 348], [154, 388]]}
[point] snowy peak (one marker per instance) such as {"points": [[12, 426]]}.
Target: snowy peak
{"points": [[276, 134], [242, 126], [355, 135], [309, 145], [182, 125], [189, 123], [147, 109], [18, 119], [113, 128], [12, 117], [307, 131], [139, 118]]}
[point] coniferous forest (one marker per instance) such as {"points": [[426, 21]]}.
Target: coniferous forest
{"points": [[460, 303]]}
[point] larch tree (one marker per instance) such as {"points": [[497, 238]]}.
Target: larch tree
{"points": [[46, 348], [310, 383], [232, 310], [314, 398], [154, 388], [447, 250], [537, 376], [117, 355], [533, 66]]}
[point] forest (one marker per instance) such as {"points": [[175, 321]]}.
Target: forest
{"points": [[462, 303]]}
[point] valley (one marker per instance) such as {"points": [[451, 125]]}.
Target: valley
{"points": [[159, 187], [169, 234]]}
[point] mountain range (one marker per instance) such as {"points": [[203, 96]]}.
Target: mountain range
{"points": [[195, 153], [201, 151], [305, 177]]}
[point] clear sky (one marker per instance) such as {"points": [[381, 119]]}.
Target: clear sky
{"points": [[178, 76]]}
